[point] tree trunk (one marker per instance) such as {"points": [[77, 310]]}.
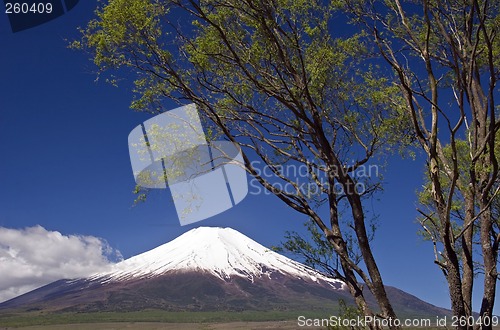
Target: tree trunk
{"points": [[357, 292], [453, 276], [378, 286], [490, 269], [467, 259]]}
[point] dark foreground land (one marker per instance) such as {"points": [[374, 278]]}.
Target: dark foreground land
{"points": [[262, 325], [159, 319], [153, 320], [269, 325]]}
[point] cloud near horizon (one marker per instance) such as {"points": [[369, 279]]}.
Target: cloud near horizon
{"points": [[33, 257]]}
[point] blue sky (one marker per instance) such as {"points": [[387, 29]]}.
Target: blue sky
{"points": [[64, 165]]}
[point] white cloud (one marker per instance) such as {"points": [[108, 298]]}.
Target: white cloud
{"points": [[33, 256]]}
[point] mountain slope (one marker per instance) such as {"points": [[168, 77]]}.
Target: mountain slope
{"points": [[205, 269]]}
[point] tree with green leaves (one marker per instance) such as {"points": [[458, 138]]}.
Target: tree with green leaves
{"points": [[466, 233], [445, 58], [276, 78]]}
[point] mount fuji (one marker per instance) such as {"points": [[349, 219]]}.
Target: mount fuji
{"points": [[221, 252], [205, 269]]}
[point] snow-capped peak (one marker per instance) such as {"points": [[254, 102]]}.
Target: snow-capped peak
{"points": [[224, 252]]}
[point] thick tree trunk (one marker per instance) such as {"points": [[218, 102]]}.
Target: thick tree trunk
{"points": [[490, 270], [456, 297], [454, 280]]}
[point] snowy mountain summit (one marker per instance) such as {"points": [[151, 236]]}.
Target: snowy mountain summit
{"points": [[222, 252]]}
